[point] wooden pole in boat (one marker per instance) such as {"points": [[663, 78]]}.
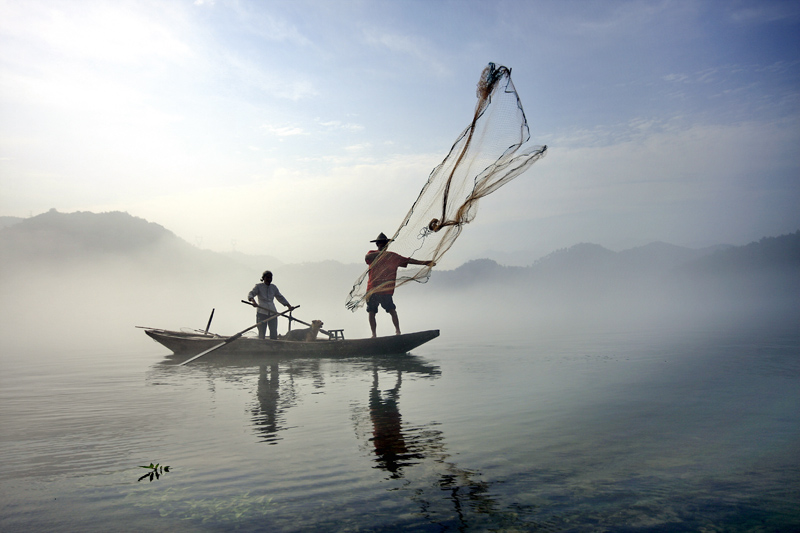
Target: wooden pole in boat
{"points": [[209, 322], [290, 318], [237, 336]]}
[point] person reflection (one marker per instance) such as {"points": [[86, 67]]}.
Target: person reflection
{"points": [[266, 414], [387, 431], [449, 497]]}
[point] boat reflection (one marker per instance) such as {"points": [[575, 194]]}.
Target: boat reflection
{"points": [[278, 387], [412, 456], [276, 395]]}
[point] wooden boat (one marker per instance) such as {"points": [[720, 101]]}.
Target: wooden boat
{"points": [[182, 343]]}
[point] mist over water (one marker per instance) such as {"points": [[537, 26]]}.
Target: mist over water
{"points": [[550, 402], [66, 274]]}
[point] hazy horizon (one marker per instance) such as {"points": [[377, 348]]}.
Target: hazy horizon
{"points": [[517, 258], [108, 273]]}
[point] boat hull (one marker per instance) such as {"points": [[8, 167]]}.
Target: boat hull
{"points": [[181, 343]]}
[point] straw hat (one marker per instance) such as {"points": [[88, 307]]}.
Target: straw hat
{"points": [[382, 238]]}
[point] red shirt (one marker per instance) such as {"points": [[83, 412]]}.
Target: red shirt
{"points": [[383, 272]]}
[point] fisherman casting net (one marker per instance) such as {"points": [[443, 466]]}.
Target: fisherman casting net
{"points": [[489, 153]]}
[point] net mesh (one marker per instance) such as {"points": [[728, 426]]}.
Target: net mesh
{"points": [[489, 153]]}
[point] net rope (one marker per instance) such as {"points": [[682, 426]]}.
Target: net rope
{"points": [[489, 153]]}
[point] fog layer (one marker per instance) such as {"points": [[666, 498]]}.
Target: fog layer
{"points": [[88, 279]]}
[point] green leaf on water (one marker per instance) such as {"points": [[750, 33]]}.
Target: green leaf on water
{"points": [[156, 470]]}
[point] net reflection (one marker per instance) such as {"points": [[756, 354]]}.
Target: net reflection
{"points": [[417, 465]]}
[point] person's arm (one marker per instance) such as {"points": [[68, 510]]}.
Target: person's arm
{"points": [[417, 262], [251, 296], [280, 298]]}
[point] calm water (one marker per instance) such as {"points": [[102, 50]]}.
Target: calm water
{"points": [[645, 431]]}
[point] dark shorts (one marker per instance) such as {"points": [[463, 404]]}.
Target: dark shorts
{"points": [[384, 300]]}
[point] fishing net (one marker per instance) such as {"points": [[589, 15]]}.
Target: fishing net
{"points": [[489, 153]]}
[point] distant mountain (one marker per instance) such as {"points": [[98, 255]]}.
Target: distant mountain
{"points": [[590, 269], [651, 259], [88, 240], [84, 236], [662, 256], [515, 258], [582, 257], [9, 221], [64, 234], [117, 241], [256, 262], [476, 272], [115, 263], [579, 262], [768, 253]]}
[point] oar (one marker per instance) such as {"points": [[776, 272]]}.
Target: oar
{"points": [[235, 337], [209, 322], [290, 318]]}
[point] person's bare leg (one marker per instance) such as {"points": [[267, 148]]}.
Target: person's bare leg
{"points": [[372, 323], [395, 321]]}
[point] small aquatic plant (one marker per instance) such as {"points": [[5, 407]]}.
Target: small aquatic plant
{"points": [[156, 471]]}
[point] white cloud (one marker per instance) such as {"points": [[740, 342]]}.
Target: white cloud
{"points": [[702, 172], [414, 46], [118, 33], [261, 20], [358, 147], [250, 75], [305, 215], [221, 103], [338, 125], [284, 131]]}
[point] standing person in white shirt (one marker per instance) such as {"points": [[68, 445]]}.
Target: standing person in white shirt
{"points": [[266, 292]]}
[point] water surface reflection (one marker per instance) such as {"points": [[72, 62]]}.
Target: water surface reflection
{"points": [[268, 412], [420, 485], [415, 458]]}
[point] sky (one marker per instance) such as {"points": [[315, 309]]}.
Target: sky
{"points": [[302, 129]]}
